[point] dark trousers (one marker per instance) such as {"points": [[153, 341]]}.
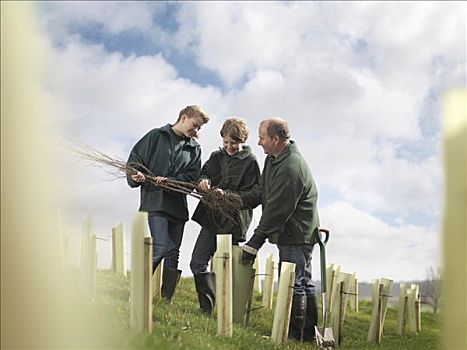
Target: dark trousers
{"points": [[166, 239], [204, 249], [300, 255]]}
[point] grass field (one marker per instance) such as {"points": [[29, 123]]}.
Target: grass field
{"points": [[181, 326]]}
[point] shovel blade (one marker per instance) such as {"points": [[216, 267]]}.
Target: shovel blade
{"points": [[325, 339]]}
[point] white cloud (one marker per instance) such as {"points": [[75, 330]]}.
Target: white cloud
{"points": [[351, 79], [102, 93], [366, 245]]}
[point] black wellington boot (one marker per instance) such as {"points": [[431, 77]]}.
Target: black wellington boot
{"points": [[311, 319], [206, 288], [170, 278], [297, 317]]}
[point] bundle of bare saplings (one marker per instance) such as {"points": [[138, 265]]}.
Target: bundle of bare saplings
{"points": [[228, 204]]}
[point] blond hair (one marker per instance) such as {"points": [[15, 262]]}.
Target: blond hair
{"points": [[193, 112], [236, 128]]}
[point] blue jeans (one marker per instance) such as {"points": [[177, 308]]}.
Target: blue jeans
{"points": [[166, 239], [300, 255], [204, 249]]}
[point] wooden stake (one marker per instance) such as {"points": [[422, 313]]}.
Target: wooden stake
{"points": [[334, 288], [402, 312], [418, 314], [113, 251], [280, 327], [243, 276], [356, 294], [380, 296], [379, 323], [93, 253], [354, 291], [268, 283], [120, 249], [454, 129], [411, 315], [330, 271], [339, 301], [223, 267], [157, 280], [342, 305], [147, 316], [88, 252], [257, 279], [139, 232]]}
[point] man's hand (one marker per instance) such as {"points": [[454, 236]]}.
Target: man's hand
{"points": [[160, 179], [138, 177], [204, 184], [248, 255]]}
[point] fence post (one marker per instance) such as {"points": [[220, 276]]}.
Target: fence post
{"points": [[454, 129], [280, 327], [88, 257], [113, 266], [268, 290], [119, 249], [243, 276], [354, 291], [257, 279], [139, 232], [339, 301], [157, 280], [223, 267], [380, 296], [402, 312], [147, 285], [411, 312], [418, 310], [332, 284]]}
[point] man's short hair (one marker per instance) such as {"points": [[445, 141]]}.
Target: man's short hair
{"points": [[279, 127], [193, 112], [236, 128]]}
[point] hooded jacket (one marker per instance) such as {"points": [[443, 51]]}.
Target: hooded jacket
{"points": [[289, 197], [157, 152], [237, 173]]}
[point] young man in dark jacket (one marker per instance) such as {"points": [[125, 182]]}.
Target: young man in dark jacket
{"points": [[289, 219], [232, 168], [170, 152]]}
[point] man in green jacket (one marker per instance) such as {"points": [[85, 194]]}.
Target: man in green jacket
{"points": [[170, 152], [289, 219]]}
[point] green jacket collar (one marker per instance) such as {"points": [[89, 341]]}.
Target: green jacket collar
{"points": [[191, 141], [288, 150], [244, 153]]}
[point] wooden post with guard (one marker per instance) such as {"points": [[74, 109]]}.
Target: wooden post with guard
{"points": [[268, 290], [280, 327], [223, 268]]}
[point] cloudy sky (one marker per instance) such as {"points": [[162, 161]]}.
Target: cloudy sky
{"points": [[360, 84]]}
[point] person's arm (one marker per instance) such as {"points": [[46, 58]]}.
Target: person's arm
{"points": [[208, 172], [138, 157], [253, 197], [281, 204]]}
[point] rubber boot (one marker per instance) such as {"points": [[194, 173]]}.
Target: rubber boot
{"points": [[170, 278], [311, 319], [205, 284], [297, 317]]}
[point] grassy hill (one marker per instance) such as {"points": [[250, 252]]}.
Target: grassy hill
{"points": [[181, 326]]}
